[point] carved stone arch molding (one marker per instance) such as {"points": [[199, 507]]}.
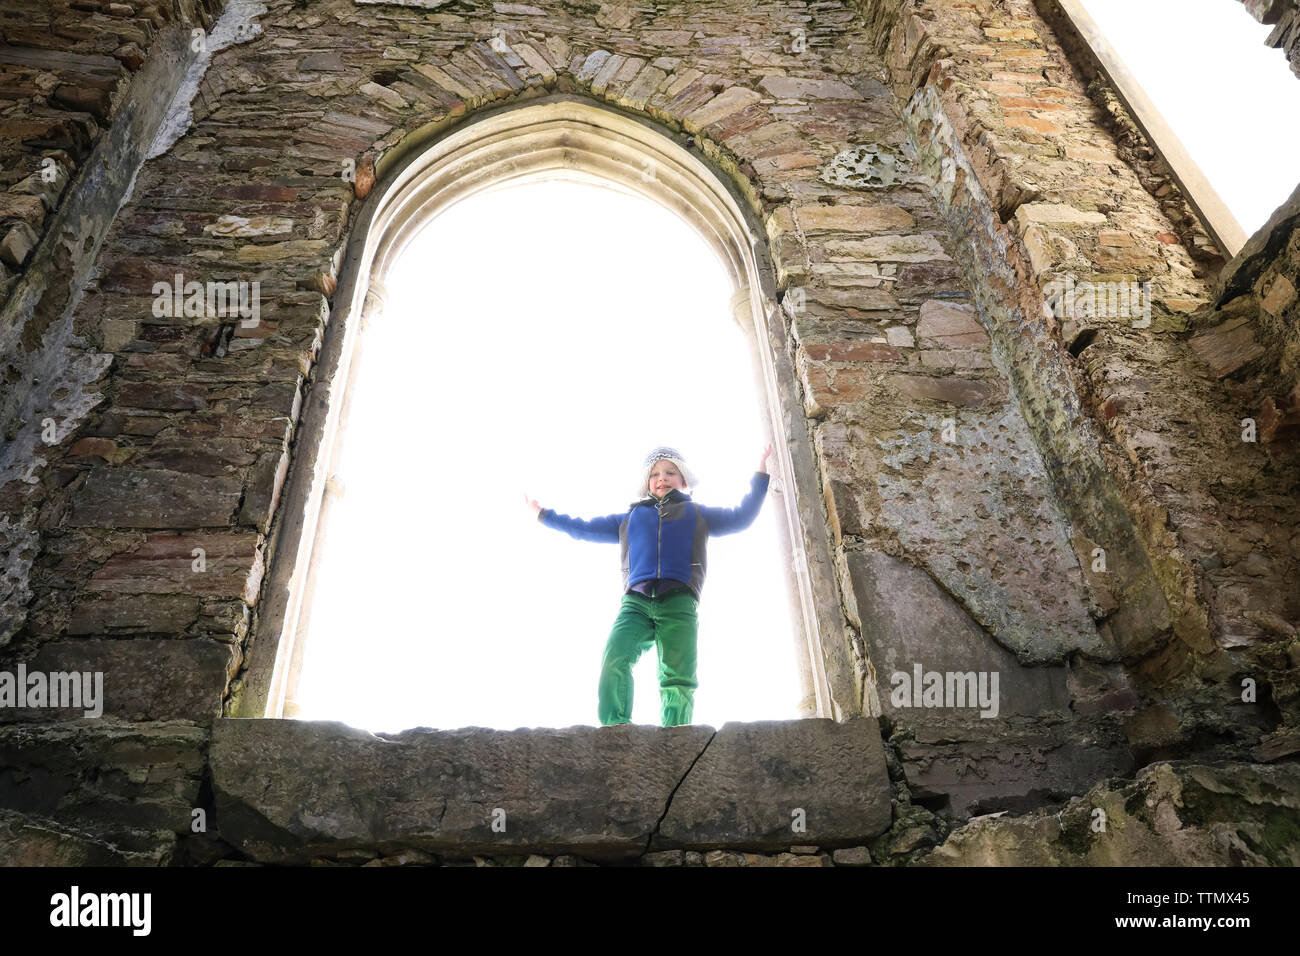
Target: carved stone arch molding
{"points": [[555, 137]]}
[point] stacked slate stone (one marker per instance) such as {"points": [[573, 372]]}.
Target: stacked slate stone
{"points": [[1284, 17]]}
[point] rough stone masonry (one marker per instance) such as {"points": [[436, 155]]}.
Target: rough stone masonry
{"points": [[1100, 508]]}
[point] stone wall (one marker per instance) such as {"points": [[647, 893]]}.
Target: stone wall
{"points": [[65, 70], [83, 106], [922, 172], [1284, 17], [1131, 143], [1143, 436], [1257, 296]]}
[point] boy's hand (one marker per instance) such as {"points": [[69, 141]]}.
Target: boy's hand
{"points": [[537, 509], [762, 464]]}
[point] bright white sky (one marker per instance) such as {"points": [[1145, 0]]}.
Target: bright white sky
{"points": [[539, 339], [1233, 101], [543, 339]]}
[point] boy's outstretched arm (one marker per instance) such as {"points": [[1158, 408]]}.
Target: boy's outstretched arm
{"points": [[597, 529]]}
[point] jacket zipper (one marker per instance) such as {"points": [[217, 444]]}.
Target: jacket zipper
{"points": [[659, 548]]}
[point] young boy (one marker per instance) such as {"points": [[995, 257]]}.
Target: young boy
{"points": [[663, 538]]}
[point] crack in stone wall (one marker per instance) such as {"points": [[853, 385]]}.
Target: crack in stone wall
{"points": [[650, 839]]}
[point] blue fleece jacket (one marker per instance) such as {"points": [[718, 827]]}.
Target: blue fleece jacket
{"points": [[665, 537]]}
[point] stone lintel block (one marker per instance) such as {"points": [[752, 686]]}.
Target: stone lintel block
{"points": [[786, 161], [262, 192], [103, 776], [288, 790], [153, 498], [139, 679], [746, 791], [282, 796]]}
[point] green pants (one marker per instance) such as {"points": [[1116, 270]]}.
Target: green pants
{"points": [[668, 623]]}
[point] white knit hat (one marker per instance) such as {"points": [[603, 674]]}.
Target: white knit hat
{"points": [[660, 454]]}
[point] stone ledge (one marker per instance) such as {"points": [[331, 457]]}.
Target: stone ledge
{"points": [[753, 779], [600, 792]]}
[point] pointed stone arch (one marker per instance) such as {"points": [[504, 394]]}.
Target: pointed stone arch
{"points": [[556, 136]]}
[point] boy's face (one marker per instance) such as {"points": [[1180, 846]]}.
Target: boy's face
{"points": [[664, 477]]}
